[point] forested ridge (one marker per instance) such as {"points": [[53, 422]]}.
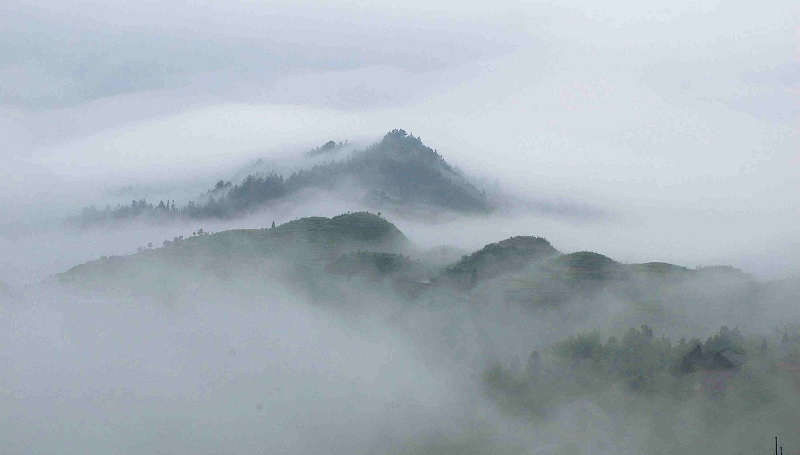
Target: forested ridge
{"points": [[398, 170]]}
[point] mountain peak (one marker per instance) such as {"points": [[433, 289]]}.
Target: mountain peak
{"points": [[400, 143], [399, 170]]}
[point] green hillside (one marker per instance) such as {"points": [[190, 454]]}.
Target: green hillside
{"points": [[494, 259], [583, 274], [586, 265], [660, 269], [375, 265], [351, 229], [315, 254], [306, 242]]}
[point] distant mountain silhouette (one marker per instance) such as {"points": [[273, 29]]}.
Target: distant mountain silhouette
{"points": [[397, 171], [320, 255], [401, 168]]}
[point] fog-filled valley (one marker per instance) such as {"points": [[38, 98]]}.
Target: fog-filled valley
{"points": [[428, 228], [341, 334]]}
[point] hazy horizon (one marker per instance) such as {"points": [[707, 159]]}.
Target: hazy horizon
{"points": [[652, 113], [644, 131]]}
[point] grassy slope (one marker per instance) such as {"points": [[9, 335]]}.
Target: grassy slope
{"points": [[495, 259], [314, 240], [525, 268]]}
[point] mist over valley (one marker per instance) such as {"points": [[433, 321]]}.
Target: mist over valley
{"points": [[427, 228]]}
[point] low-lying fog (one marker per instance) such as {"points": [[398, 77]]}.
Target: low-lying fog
{"points": [[220, 368], [763, 244], [642, 132]]}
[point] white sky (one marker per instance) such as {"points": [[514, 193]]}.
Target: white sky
{"points": [[679, 117]]}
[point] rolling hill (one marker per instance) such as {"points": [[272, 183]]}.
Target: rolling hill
{"points": [[307, 243], [495, 259], [316, 253]]}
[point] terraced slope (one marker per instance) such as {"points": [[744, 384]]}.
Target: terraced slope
{"points": [[586, 265], [494, 259], [343, 231], [374, 265], [309, 243], [660, 269]]}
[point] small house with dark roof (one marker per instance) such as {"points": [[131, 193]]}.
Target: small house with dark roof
{"points": [[727, 359], [718, 368], [721, 368], [694, 360]]}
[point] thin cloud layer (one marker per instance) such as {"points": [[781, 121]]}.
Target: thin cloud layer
{"points": [[647, 111]]}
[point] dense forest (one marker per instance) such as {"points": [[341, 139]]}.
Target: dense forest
{"points": [[730, 381], [398, 170]]}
